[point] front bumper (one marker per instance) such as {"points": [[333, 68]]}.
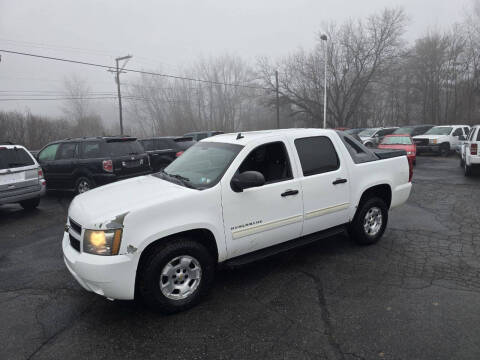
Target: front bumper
{"points": [[428, 148], [109, 276]]}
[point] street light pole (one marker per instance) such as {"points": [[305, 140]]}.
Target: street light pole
{"points": [[325, 38], [277, 98]]}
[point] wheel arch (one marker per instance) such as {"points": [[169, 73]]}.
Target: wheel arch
{"points": [[202, 235], [383, 191]]}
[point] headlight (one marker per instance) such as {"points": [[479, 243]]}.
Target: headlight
{"points": [[102, 242], [433, 141]]}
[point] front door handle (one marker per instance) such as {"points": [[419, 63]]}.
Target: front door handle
{"points": [[290, 193], [339, 181]]}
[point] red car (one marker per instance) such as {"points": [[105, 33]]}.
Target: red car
{"points": [[400, 142]]}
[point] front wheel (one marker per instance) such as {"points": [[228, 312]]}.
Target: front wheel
{"points": [[445, 150], [176, 276], [369, 222]]}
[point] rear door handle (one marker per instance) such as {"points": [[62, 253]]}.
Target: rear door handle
{"points": [[339, 181], [290, 193]]}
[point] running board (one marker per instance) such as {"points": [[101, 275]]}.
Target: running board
{"points": [[288, 245]]}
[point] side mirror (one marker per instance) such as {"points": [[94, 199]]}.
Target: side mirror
{"points": [[246, 180]]}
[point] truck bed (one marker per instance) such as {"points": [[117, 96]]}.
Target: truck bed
{"points": [[388, 154]]}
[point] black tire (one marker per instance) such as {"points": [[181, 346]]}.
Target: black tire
{"points": [[445, 150], [357, 230], [467, 170], [462, 162], [83, 184], [30, 204], [415, 162], [150, 271]]}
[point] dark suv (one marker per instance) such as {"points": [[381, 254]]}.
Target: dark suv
{"points": [[83, 163], [163, 150]]}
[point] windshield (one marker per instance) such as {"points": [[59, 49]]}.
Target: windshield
{"points": [[13, 158], [397, 140], [202, 165], [404, 130], [354, 131], [439, 131], [367, 132], [122, 148]]}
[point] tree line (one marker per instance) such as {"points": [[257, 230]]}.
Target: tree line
{"points": [[374, 78]]}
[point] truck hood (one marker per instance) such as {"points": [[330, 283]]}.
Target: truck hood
{"points": [[104, 204]]}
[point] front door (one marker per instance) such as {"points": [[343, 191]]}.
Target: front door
{"points": [[267, 215]]}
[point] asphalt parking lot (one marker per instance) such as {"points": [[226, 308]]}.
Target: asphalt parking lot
{"points": [[414, 295]]}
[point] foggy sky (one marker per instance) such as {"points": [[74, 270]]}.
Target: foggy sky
{"points": [[166, 35]]}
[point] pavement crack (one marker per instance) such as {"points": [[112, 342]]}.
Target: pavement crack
{"points": [[60, 331]]}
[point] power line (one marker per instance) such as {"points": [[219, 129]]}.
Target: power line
{"points": [[135, 71]]}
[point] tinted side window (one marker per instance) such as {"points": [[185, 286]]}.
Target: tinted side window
{"points": [[466, 130], [66, 151], [90, 150], [457, 132], [271, 160], [317, 155], [123, 148], [478, 134], [48, 153], [202, 136]]}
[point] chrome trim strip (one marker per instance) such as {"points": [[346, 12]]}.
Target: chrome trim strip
{"points": [[237, 234], [327, 210]]}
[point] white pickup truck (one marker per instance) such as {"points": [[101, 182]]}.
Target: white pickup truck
{"points": [[470, 152], [229, 199], [441, 139]]}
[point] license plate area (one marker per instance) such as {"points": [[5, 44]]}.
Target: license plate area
{"points": [[12, 178]]}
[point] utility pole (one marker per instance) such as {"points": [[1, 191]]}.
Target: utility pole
{"points": [[277, 98], [118, 70]]}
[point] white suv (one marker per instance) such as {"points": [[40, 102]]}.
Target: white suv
{"points": [[21, 178], [470, 155]]}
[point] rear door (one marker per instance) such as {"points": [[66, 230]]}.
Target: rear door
{"points": [[457, 132], [324, 182]]}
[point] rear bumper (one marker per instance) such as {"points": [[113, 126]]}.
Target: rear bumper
{"points": [[109, 276], [401, 194], [473, 160], [27, 193]]}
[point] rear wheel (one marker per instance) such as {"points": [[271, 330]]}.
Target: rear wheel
{"points": [[369, 222], [30, 204], [83, 184], [176, 276], [462, 162]]}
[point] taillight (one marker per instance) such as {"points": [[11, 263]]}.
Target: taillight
{"points": [[179, 153], [40, 173], [473, 149], [410, 170], [107, 165]]}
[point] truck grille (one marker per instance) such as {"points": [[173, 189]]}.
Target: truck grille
{"points": [[420, 142], [75, 243], [75, 226]]}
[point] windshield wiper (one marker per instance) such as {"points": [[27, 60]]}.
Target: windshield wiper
{"points": [[184, 180]]}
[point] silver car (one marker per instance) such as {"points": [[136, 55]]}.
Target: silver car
{"points": [[21, 177]]}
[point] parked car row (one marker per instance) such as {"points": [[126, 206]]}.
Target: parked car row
{"points": [[80, 164]]}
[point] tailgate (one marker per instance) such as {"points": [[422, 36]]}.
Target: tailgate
{"points": [[18, 178]]}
